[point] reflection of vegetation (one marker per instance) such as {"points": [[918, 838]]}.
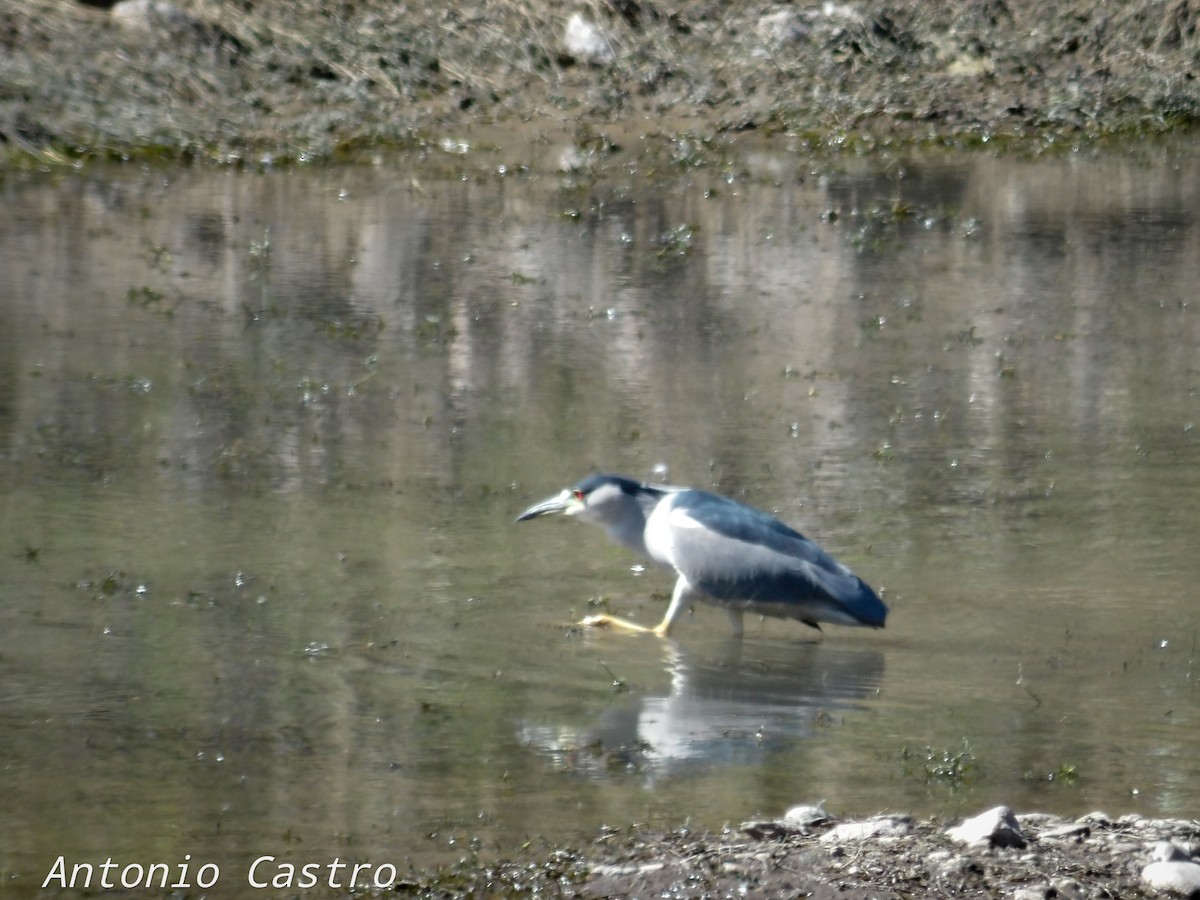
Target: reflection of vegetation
{"points": [[822, 719], [260, 251], [434, 329], [969, 337], [363, 326], [150, 298], [955, 769], [693, 152], [111, 584], [677, 241], [1066, 773], [880, 226], [158, 256], [618, 684], [621, 758]]}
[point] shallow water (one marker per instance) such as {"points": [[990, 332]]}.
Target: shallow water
{"points": [[263, 437]]}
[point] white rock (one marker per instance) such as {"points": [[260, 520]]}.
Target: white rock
{"points": [[877, 827], [840, 11], [1165, 851], [797, 820], [803, 817], [151, 13], [783, 27], [995, 828], [586, 43], [1173, 870], [1176, 877], [572, 159]]}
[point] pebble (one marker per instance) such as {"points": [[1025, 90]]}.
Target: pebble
{"points": [[1106, 856], [785, 26], [151, 13], [586, 43], [1075, 831]]}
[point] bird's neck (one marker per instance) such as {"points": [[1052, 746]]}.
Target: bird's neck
{"points": [[629, 528], [630, 531]]}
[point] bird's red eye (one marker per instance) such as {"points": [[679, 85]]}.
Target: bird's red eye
{"points": [[578, 494]]}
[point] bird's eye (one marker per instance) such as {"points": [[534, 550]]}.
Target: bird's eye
{"points": [[578, 494]]}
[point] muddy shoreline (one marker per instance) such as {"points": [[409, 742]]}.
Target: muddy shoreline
{"points": [[257, 82], [887, 856]]}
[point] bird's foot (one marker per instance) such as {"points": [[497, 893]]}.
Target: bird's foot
{"points": [[604, 620]]}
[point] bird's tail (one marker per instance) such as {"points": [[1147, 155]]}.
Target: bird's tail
{"points": [[864, 604]]}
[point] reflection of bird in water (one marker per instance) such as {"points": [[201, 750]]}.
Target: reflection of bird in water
{"points": [[725, 553], [730, 709]]}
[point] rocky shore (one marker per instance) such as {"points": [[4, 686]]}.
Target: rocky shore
{"points": [[810, 853]]}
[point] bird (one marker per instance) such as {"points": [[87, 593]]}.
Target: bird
{"points": [[725, 553]]}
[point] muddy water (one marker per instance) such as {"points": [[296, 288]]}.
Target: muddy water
{"points": [[263, 436]]}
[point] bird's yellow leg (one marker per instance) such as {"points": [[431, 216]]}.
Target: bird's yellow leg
{"points": [[678, 600]]}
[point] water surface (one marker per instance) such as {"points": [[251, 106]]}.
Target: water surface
{"points": [[263, 437]]}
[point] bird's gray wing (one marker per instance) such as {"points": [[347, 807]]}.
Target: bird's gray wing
{"points": [[730, 519], [735, 552]]}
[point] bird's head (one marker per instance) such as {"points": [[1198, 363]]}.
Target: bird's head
{"points": [[602, 499]]}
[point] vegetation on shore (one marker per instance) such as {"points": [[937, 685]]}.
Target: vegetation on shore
{"points": [[261, 80]]}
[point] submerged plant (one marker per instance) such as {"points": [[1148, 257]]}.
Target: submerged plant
{"points": [[954, 768]]}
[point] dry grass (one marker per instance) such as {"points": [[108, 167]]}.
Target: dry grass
{"points": [[225, 77]]}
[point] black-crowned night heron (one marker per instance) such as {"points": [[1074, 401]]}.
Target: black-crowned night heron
{"points": [[725, 553]]}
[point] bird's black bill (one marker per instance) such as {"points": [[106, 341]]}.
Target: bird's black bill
{"points": [[558, 504]]}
